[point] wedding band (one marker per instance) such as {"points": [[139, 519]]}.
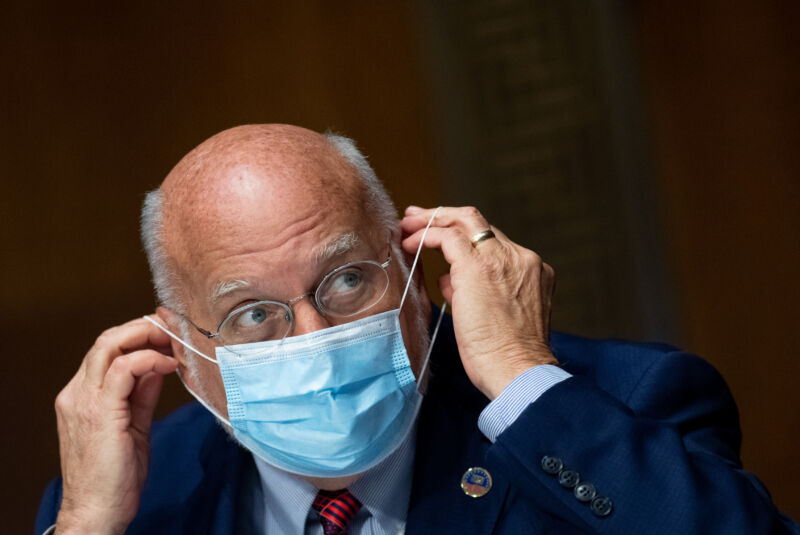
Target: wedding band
{"points": [[481, 236]]}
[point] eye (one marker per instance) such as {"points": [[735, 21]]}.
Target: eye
{"points": [[252, 317], [346, 281]]}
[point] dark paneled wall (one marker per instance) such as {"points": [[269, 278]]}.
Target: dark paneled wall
{"points": [[669, 213], [723, 82], [532, 131], [100, 100], [98, 103]]}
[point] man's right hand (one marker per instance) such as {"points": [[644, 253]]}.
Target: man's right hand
{"points": [[104, 415]]}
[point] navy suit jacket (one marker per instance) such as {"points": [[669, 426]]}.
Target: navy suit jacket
{"points": [[653, 429]]}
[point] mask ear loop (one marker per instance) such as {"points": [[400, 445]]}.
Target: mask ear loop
{"points": [[422, 382], [416, 258], [194, 394], [424, 373]]}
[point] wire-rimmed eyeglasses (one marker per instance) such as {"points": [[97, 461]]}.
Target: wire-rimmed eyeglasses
{"points": [[346, 291]]}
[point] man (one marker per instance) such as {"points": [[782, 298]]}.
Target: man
{"points": [[290, 312]]}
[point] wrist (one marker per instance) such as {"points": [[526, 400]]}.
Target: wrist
{"points": [[503, 373], [87, 523]]}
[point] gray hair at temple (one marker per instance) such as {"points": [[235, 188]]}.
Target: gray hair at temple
{"points": [[378, 204]]}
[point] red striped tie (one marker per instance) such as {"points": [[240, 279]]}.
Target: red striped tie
{"points": [[336, 509]]}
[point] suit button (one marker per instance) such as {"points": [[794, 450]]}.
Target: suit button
{"points": [[552, 465], [585, 492], [569, 478], [601, 506]]}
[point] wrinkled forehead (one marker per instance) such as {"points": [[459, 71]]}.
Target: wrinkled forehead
{"points": [[277, 216]]}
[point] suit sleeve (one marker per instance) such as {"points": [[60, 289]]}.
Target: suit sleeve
{"points": [[48, 508], [664, 462]]}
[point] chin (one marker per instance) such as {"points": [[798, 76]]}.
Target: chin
{"points": [[330, 483]]}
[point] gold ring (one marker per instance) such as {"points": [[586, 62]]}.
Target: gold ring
{"points": [[482, 236]]}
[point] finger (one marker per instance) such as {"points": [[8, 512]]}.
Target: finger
{"points": [[468, 218], [144, 400], [124, 371], [446, 287], [134, 335], [156, 338], [453, 244], [484, 242], [416, 221]]}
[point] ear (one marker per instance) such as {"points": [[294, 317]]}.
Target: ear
{"points": [[172, 321]]}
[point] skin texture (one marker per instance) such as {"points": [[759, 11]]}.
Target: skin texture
{"points": [[254, 203]]}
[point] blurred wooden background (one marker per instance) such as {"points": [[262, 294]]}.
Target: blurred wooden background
{"points": [[696, 101]]}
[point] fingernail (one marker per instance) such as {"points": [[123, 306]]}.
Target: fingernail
{"points": [[413, 209]]}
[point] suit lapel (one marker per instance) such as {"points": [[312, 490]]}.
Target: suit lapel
{"points": [[212, 506], [448, 444]]}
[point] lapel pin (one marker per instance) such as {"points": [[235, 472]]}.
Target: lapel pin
{"points": [[476, 482]]}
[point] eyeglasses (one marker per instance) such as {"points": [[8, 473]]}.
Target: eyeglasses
{"points": [[346, 291]]}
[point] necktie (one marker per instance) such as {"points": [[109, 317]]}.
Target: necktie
{"points": [[336, 509]]}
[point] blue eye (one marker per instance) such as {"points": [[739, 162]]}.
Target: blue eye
{"points": [[252, 317], [352, 288], [346, 281]]}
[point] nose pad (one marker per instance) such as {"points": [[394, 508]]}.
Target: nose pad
{"points": [[307, 319]]}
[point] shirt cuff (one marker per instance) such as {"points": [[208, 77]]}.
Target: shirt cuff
{"points": [[526, 388]]}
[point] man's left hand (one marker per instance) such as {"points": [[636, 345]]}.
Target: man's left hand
{"points": [[499, 292]]}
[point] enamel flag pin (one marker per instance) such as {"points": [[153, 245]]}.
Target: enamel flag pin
{"points": [[476, 482]]}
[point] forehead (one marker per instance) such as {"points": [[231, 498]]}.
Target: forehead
{"points": [[268, 232], [350, 243]]}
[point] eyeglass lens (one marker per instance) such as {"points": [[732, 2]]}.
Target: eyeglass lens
{"points": [[346, 291]]}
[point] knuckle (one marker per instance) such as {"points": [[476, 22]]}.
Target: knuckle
{"points": [[121, 362], [118, 366], [532, 257], [62, 401], [471, 211], [106, 336], [451, 234]]}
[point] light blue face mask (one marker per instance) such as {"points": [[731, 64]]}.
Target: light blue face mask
{"points": [[330, 403]]}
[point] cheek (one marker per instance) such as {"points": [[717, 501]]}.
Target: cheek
{"points": [[204, 378], [409, 339], [414, 326]]}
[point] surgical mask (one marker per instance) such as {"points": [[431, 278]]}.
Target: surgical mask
{"points": [[330, 403]]}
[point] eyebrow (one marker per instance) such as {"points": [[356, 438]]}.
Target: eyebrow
{"points": [[338, 246], [223, 288]]}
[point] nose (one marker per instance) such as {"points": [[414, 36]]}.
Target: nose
{"points": [[307, 319]]}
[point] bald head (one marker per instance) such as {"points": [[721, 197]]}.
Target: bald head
{"points": [[232, 180], [267, 179], [236, 161]]}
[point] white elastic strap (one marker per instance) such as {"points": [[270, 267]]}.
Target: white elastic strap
{"points": [[178, 339], [194, 394], [202, 402], [416, 258], [423, 373]]}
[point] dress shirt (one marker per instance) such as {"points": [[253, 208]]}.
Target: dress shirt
{"points": [[526, 388]]}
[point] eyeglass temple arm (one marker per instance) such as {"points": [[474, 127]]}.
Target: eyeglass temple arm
{"points": [[207, 334]]}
